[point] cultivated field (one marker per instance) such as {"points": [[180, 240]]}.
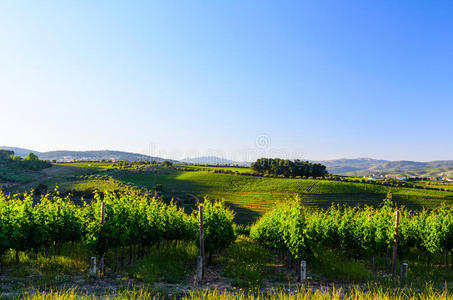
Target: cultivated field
{"points": [[250, 196], [150, 247]]}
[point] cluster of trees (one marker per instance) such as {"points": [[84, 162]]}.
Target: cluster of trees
{"points": [[288, 168], [31, 162], [359, 231], [131, 219], [6, 155]]}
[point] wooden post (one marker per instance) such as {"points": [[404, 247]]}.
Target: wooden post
{"points": [[403, 270], [93, 267], [200, 221], [395, 243], [199, 276], [101, 260], [303, 271]]}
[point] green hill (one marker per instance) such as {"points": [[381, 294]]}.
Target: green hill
{"points": [[368, 166], [250, 196]]}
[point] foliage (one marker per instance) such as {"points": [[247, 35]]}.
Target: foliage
{"points": [[11, 164], [240, 229], [5, 154], [285, 228], [131, 218], [253, 195], [360, 231], [217, 225], [26, 225], [245, 262], [167, 163], [169, 263], [31, 156], [288, 168], [290, 293], [301, 293]]}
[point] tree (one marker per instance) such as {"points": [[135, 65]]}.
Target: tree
{"points": [[288, 168], [32, 156], [6, 155], [167, 163]]}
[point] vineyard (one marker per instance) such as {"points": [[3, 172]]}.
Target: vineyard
{"points": [[361, 231], [155, 233], [141, 222], [117, 220], [251, 196]]}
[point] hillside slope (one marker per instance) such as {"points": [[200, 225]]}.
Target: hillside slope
{"points": [[68, 155], [368, 166]]}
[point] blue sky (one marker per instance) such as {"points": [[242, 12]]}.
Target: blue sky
{"points": [[239, 79]]}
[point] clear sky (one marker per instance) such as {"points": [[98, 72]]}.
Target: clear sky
{"points": [[239, 79]]}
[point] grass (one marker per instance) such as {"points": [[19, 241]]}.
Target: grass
{"points": [[128, 293], [295, 293], [170, 263], [327, 293], [93, 184], [249, 264], [435, 184], [71, 259], [17, 175], [331, 265], [251, 196], [95, 166]]}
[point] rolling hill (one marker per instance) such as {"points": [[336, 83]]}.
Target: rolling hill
{"points": [[368, 166], [352, 167], [213, 160], [67, 155], [344, 166]]}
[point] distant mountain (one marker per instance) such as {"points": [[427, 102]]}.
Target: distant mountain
{"points": [[355, 167], [22, 152], [213, 160], [66, 155], [343, 166], [414, 168], [368, 166]]}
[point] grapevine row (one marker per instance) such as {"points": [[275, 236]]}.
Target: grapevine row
{"points": [[131, 218], [362, 231]]}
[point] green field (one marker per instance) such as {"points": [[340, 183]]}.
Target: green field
{"points": [[250, 196], [435, 184], [207, 168], [98, 166], [168, 267]]}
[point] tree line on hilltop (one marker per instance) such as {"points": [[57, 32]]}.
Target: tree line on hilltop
{"points": [[289, 168], [31, 162]]}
